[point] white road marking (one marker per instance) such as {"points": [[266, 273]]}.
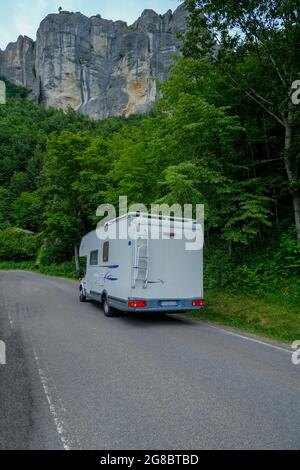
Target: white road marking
{"points": [[9, 315], [57, 409], [11, 322], [249, 338]]}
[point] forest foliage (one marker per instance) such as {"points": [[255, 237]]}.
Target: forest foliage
{"points": [[207, 141]]}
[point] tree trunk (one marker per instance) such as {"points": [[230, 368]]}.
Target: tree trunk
{"points": [[276, 207], [77, 259], [296, 204], [292, 172]]}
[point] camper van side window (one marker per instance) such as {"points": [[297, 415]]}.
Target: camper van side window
{"points": [[105, 252], [94, 258]]}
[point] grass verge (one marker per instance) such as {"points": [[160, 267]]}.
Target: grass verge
{"points": [[270, 316], [65, 270]]}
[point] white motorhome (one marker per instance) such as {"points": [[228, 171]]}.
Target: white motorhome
{"points": [[142, 263]]}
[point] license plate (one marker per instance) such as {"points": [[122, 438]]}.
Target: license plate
{"points": [[168, 303]]}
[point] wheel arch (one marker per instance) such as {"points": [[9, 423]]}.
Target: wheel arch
{"points": [[104, 296]]}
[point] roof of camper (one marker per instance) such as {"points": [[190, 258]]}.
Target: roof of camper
{"points": [[138, 215]]}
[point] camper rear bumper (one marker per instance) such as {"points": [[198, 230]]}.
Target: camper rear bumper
{"points": [[157, 305]]}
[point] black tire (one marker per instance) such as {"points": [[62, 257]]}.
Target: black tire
{"points": [[82, 297], [109, 311]]}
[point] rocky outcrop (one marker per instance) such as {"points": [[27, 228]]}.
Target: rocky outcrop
{"points": [[17, 62], [100, 68]]}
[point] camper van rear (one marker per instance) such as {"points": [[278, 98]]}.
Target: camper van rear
{"points": [[144, 264]]}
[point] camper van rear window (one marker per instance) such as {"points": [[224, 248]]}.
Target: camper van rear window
{"points": [[94, 258], [105, 252]]}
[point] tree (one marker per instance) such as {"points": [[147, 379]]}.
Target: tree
{"points": [[4, 206], [135, 163], [17, 245], [27, 211], [64, 216], [203, 144], [256, 44], [93, 179]]}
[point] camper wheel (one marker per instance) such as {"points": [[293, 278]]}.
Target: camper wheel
{"points": [[82, 296], [108, 310]]}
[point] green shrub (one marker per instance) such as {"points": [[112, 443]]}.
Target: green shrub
{"points": [[17, 245], [66, 269], [14, 91], [258, 271], [52, 253]]}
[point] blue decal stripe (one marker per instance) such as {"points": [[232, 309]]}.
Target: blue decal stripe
{"points": [[114, 266], [109, 277], [159, 281]]}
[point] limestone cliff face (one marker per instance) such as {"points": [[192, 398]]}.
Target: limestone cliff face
{"points": [[17, 62], [100, 68]]}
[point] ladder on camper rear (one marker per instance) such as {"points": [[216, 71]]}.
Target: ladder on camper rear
{"points": [[141, 262]]}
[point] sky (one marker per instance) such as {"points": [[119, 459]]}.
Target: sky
{"points": [[24, 16]]}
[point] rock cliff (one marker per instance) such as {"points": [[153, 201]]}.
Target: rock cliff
{"points": [[99, 67]]}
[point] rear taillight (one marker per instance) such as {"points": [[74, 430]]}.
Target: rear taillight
{"points": [[198, 303], [137, 304]]}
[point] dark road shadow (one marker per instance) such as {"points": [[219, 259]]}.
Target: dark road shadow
{"points": [[145, 319], [155, 319]]}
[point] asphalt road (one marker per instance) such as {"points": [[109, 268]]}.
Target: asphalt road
{"points": [[77, 380]]}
